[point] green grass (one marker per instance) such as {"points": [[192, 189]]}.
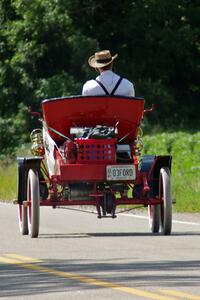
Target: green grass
{"points": [[8, 175], [185, 151], [8, 179]]}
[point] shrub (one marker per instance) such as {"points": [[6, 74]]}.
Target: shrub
{"points": [[13, 132]]}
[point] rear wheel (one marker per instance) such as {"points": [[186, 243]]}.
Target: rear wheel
{"points": [[33, 198], [166, 205], [23, 219], [154, 217]]}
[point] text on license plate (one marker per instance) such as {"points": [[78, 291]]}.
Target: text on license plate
{"points": [[120, 172]]}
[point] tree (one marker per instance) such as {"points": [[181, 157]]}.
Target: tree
{"points": [[40, 57], [44, 47], [158, 47]]}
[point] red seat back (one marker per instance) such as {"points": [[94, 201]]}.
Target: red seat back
{"points": [[89, 111]]}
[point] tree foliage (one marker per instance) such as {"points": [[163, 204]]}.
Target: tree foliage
{"points": [[158, 43], [44, 47]]}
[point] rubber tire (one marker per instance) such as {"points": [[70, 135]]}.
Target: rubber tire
{"points": [[154, 217], [166, 206], [23, 219], [33, 198]]}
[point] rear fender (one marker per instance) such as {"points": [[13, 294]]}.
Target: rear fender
{"points": [[151, 165], [24, 165]]}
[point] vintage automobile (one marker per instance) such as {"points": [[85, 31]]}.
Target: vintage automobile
{"points": [[88, 152]]}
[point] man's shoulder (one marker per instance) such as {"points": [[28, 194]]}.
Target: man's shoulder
{"points": [[124, 79], [89, 87], [90, 82], [127, 83]]}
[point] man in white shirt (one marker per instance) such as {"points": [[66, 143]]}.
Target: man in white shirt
{"points": [[107, 83]]}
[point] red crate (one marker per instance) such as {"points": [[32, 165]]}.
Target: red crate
{"points": [[96, 151]]}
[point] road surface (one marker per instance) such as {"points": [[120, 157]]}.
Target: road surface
{"points": [[78, 256]]}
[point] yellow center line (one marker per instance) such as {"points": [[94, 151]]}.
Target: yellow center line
{"points": [[182, 295], [23, 258], [81, 278]]}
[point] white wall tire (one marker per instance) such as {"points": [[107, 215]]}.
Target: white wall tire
{"points": [[33, 199], [166, 205]]}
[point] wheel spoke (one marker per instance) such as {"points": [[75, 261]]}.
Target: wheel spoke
{"points": [[154, 218], [23, 219]]}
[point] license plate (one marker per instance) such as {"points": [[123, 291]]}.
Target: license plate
{"points": [[120, 172]]}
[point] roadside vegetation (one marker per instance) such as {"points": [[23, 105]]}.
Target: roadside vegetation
{"points": [[8, 172], [184, 148], [185, 151]]}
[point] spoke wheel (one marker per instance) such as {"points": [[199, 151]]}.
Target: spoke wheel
{"points": [[154, 217], [23, 219], [166, 205], [33, 198]]}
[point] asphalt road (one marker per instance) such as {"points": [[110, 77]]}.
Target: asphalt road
{"points": [[78, 256]]}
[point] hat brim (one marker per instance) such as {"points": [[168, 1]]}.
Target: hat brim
{"points": [[92, 62]]}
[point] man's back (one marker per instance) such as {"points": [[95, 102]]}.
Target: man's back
{"points": [[109, 81]]}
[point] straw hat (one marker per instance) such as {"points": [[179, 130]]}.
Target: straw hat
{"points": [[101, 59]]}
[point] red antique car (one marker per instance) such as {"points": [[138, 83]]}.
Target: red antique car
{"points": [[88, 152]]}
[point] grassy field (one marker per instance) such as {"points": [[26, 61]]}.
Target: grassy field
{"points": [[185, 151], [8, 174], [184, 148]]}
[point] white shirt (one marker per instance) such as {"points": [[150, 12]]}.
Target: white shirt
{"points": [[109, 80]]}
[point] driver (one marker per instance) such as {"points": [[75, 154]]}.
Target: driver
{"points": [[107, 83]]}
